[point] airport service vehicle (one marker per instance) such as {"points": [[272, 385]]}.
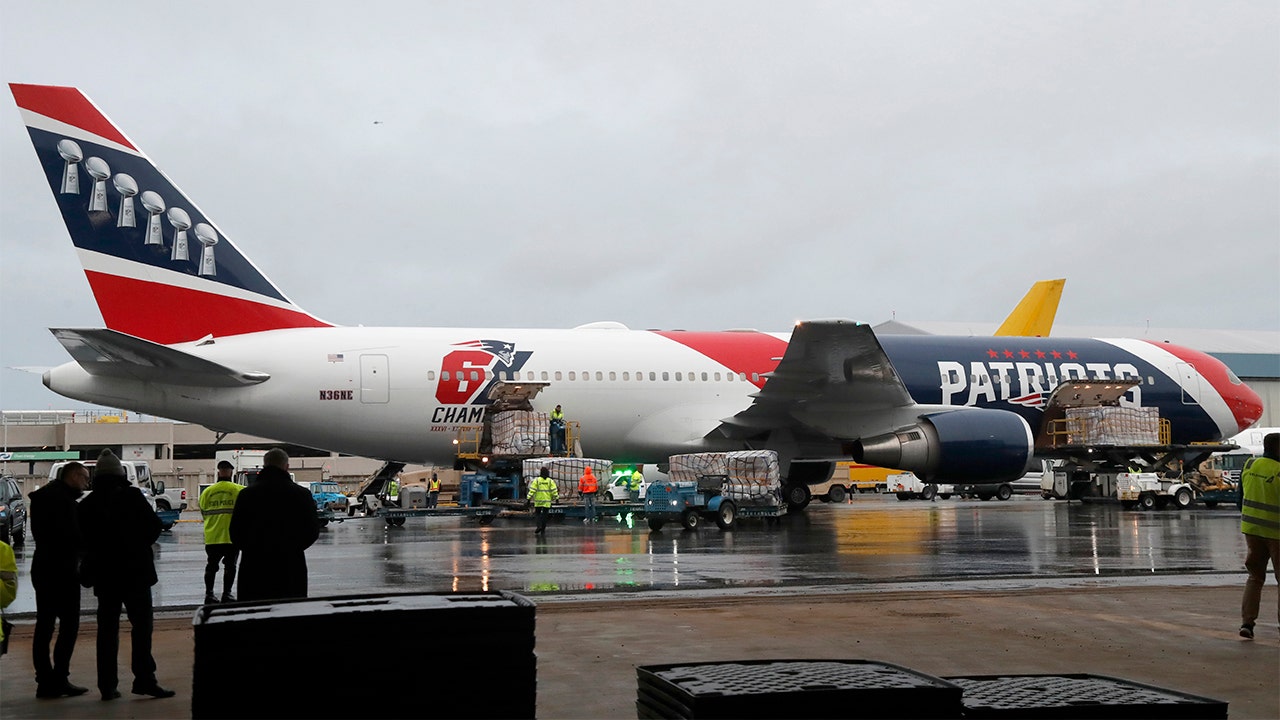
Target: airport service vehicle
{"points": [[1146, 491], [331, 504], [907, 486], [690, 503], [197, 333], [13, 512], [138, 473]]}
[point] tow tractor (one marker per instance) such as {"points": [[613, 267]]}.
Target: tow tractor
{"points": [[720, 498]]}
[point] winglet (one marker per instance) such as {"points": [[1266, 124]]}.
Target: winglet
{"points": [[1033, 317]]}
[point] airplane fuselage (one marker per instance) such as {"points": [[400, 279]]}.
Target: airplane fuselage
{"points": [[639, 396]]}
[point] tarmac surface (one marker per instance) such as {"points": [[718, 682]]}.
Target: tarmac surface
{"points": [[1146, 597]]}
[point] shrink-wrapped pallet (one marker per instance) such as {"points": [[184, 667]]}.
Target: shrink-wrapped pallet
{"points": [[1109, 425], [753, 475], [521, 432], [567, 471], [688, 468]]}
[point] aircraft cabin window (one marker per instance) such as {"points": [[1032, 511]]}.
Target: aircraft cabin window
{"points": [[679, 377], [444, 375], [431, 375], [599, 375], [666, 376], [626, 375], [1151, 380], [586, 375], [613, 375], [652, 376], [557, 375], [755, 377], [544, 375], [475, 375], [717, 376], [704, 377], [742, 377], [572, 375]]}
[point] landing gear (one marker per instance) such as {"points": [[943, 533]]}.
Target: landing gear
{"points": [[796, 496]]}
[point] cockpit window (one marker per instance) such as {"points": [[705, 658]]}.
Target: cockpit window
{"points": [[1232, 377]]}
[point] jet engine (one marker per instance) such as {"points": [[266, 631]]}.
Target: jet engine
{"points": [[971, 444]]}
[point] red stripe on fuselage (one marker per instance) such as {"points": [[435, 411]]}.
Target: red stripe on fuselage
{"points": [[166, 314], [1245, 404], [749, 353], [68, 105]]}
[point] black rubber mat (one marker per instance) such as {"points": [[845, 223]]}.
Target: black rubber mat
{"points": [[794, 689], [1072, 696]]}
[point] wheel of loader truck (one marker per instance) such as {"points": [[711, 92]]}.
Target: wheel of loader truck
{"points": [[726, 515], [1182, 498], [655, 524], [928, 492], [1004, 492], [689, 519], [836, 494], [1147, 501], [796, 495]]}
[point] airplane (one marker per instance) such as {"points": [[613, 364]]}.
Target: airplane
{"points": [[1033, 316], [197, 333]]}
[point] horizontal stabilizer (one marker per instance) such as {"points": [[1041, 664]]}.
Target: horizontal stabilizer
{"points": [[109, 353]]}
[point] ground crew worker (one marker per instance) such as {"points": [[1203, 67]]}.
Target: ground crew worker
{"points": [[588, 485], [216, 505], [393, 491], [557, 432], [8, 582], [543, 492], [433, 489], [1260, 523], [637, 479]]}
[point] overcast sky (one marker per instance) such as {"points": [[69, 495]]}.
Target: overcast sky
{"points": [[695, 165]]}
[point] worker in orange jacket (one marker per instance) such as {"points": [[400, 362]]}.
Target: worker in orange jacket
{"points": [[587, 488]]}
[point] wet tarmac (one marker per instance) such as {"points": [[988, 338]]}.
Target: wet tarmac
{"points": [[946, 588], [874, 539]]}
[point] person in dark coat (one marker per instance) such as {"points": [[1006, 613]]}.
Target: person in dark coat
{"points": [[55, 577], [273, 524], [120, 527]]}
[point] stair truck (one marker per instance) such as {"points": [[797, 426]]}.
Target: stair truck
{"points": [[718, 487]]}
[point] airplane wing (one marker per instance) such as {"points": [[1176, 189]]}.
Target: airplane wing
{"points": [[830, 366], [110, 353]]}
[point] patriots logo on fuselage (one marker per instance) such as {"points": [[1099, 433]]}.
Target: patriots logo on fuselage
{"points": [[467, 373], [504, 351]]}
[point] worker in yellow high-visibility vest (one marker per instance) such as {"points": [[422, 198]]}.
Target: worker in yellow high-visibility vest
{"points": [[542, 493], [1260, 523]]}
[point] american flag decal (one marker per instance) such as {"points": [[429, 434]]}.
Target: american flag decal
{"points": [[335, 357]]}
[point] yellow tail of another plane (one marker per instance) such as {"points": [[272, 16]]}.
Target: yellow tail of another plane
{"points": [[1033, 317]]}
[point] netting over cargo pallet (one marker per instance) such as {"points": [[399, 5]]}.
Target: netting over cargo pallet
{"points": [[1113, 426], [521, 432], [567, 471]]}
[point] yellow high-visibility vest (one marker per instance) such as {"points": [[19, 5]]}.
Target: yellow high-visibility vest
{"points": [[1260, 498]]}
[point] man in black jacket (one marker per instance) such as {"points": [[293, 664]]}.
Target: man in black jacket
{"points": [[273, 524], [119, 529], [55, 525]]}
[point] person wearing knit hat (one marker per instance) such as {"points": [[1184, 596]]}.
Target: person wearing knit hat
{"points": [[55, 526], [119, 528]]}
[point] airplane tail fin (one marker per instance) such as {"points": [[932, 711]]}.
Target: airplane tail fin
{"points": [[1033, 317], [159, 268]]}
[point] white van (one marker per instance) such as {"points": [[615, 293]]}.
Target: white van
{"points": [[138, 473]]}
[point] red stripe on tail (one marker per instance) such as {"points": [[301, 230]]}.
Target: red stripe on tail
{"points": [[68, 105], [166, 314]]}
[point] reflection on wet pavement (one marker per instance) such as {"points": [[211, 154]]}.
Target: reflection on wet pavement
{"points": [[873, 540]]}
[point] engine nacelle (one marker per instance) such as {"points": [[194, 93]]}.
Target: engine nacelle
{"points": [[964, 445]]}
